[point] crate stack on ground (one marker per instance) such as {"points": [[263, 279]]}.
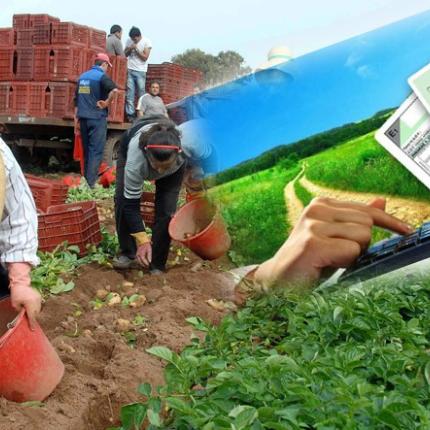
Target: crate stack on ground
{"points": [[75, 223], [40, 61]]}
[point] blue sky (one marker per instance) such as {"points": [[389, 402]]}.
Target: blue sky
{"points": [[250, 27], [343, 83]]}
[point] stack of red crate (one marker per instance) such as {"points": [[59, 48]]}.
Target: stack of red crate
{"points": [[76, 223], [40, 60], [176, 81]]}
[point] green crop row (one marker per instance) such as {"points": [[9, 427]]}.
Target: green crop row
{"points": [[354, 359]]}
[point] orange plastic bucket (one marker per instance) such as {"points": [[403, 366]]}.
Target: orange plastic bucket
{"points": [[30, 368], [199, 226]]}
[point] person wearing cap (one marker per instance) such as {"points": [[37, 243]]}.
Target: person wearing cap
{"points": [[94, 93], [18, 237], [153, 149], [137, 50], [113, 41]]}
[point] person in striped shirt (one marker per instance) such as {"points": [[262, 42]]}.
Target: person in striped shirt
{"points": [[18, 237]]}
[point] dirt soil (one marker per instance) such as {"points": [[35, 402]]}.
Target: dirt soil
{"points": [[102, 370]]}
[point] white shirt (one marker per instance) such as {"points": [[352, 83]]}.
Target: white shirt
{"points": [[18, 226], [134, 62]]}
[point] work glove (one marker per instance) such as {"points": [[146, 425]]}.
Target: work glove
{"points": [[22, 295], [144, 248]]}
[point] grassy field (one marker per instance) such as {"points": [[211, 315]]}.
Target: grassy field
{"points": [[254, 206], [254, 209], [363, 165]]}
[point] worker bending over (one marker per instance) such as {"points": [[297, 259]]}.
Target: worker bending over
{"points": [[150, 150]]}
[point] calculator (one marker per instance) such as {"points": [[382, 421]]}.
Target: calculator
{"points": [[389, 255]]}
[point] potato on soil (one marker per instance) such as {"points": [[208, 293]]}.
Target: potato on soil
{"points": [[113, 299], [101, 294]]}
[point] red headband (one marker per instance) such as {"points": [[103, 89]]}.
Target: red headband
{"points": [[177, 148]]}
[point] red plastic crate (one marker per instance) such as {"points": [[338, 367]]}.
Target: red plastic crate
{"points": [[24, 64], [7, 37], [90, 58], [40, 19], [20, 98], [61, 103], [97, 39], [118, 72], [116, 109], [21, 21], [58, 63], [41, 194], [37, 99], [6, 64], [69, 33], [147, 208], [24, 38], [5, 98], [42, 34], [76, 223], [47, 192]]}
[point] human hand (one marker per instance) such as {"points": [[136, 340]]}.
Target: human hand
{"points": [[144, 254], [102, 104], [22, 295], [329, 234]]}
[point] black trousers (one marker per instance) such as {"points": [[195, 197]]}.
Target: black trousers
{"points": [[4, 283], [166, 200]]}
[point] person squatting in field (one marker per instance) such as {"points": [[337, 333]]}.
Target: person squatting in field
{"points": [[152, 150]]}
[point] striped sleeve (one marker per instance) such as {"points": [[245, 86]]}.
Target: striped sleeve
{"points": [[18, 226]]}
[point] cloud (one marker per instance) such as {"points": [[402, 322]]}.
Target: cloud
{"points": [[355, 61], [367, 72]]}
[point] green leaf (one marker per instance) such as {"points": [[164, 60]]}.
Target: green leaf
{"points": [[427, 373], [154, 418], [73, 248], [161, 352], [132, 416], [145, 389], [33, 404], [197, 323], [61, 287], [338, 310], [243, 416], [179, 405]]}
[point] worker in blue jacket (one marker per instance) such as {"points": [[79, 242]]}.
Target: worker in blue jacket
{"points": [[94, 92]]}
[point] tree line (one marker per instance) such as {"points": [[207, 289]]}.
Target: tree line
{"points": [[288, 155]]}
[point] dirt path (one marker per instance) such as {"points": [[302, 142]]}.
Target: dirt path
{"points": [[294, 205], [412, 211]]}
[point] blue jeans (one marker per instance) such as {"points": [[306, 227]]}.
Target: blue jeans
{"points": [[93, 132], [135, 83]]}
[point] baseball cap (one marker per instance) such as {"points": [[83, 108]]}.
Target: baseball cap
{"points": [[103, 57]]}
